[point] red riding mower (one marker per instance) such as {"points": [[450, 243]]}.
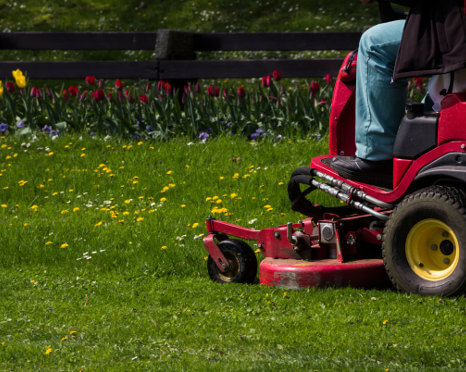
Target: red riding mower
{"points": [[413, 234]]}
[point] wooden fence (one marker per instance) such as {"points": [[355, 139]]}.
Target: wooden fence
{"points": [[175, 53]]}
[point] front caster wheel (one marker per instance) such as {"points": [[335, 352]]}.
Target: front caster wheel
{"points": [[424, 246], [243, 263]]}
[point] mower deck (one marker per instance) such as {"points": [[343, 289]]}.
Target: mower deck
{"points": [[297, 274]]}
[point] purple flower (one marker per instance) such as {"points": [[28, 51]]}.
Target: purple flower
{"points": [[319, 136], [20, 124], [149, 128], [46, 128], [254, 136], [3, 127], [279, 137], [204, 136], [54, 132]]}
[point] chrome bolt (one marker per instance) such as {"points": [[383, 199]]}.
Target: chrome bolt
{"points": [[463, 146], [434, 247], [379, 237]]}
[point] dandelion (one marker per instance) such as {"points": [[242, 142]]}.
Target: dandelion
{"points": [[169, 172], [72, 333], [285, 294], [385, 321], [183, 205], [64, 339], [195, 225], [34, 208], [98, 223], [48, 350], [4, 206], [233, 195], [139, 219], [75, 209], [32, 281], [22, 183], [163, 200], [48, 243], [164, 247], [64, 245], [236, 175]]}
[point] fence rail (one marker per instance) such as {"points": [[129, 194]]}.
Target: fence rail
{"points": [[175, 54]]}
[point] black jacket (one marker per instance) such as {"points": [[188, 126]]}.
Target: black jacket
{"points": [[434, 38]]}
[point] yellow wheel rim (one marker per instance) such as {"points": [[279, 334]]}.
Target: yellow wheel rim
{"points": [[432, 249]]}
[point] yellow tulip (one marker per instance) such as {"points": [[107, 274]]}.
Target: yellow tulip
{"points": [[21, 82], [1, 88], [17, 74]]}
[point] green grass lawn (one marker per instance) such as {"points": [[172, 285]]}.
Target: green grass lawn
{"points": [[103, 267]]}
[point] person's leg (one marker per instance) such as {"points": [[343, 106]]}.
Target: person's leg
{"points": [[380, 103]]}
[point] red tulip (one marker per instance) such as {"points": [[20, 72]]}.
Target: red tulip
{"points": [[143, 99], [90, 80], [73, 91], [98, 95], [118, 84], [64, 93], [10, 86], [213, 91], [266, 81], [241, 92], [167, 87], [418, 83], [315, 87], [109, 96], [328, 79], [277, 75]]}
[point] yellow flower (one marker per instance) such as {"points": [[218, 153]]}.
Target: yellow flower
{"points": [[64, 211], [83, 155], [233, 195], [163, 199], [195, 225], [21, 82], [385, 322], [139, 219], [165, 188], [169, 172], [72, 333], [1, 88], [285, 294], [98, 223], [164, 247], [64, 245], [246, 176], [64, 339], [280, 184], [34, 208], [139, 143], [221, 178], [219, 201], [267, 206], [32, 281], [183, 205], [4, 206], [236, 175], [48, 243], [22, 183], [206, 258], [17, 73], [51, 153], [75, 209], [48, 350]]}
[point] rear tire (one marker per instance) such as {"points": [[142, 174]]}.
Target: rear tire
{"points": [[424, 247], [243, 263]]}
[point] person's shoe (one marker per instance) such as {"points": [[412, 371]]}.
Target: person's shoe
{"points": [[377, 173]]}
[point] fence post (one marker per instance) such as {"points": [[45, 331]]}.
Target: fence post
{"points": [[173, 45]]}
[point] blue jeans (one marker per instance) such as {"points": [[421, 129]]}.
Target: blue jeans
{"points": [[380, 103]]}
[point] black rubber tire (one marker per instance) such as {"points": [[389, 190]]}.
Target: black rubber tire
{"points": [[434, 204], [242, 259]]}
